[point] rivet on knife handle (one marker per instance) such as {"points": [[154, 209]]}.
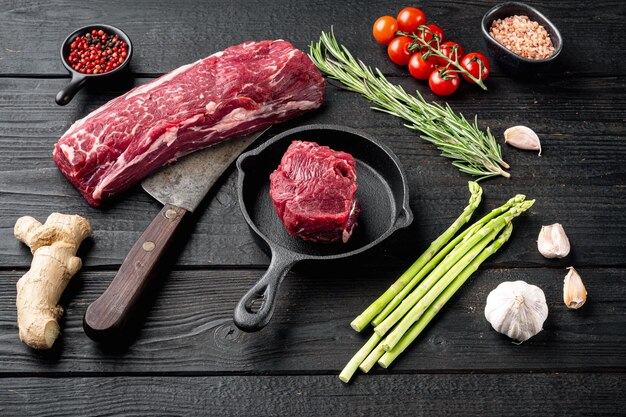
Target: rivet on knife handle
{"points": [[106, 317]]}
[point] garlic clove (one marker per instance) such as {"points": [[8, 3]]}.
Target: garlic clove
{"points": [[522, 137], [553, 242], [574, 291]]}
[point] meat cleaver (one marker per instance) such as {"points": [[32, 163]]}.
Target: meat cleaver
{"points": [[180, 187]]}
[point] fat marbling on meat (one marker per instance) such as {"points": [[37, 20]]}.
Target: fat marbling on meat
{"points": [[314, 192], [233, 92]]}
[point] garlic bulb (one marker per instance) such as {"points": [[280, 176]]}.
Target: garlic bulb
{"points": [[553, 242], [574, 291], [516, 309], [522, 137]]}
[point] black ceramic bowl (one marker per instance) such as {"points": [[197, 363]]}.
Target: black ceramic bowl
{"points": [[78, 79], [508, 60]]}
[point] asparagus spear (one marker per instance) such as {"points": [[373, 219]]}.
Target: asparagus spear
{"points": [[373, 357], [418, 309], [496, 224], [374, 349], [435, 261], [443, 298], [376, 307], [420, 275], [359, 357]]}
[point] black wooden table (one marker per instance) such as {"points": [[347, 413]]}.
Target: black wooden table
{"points": [[188, 358]]}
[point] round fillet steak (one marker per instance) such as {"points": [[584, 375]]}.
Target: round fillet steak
{"points": [[314, 192]]}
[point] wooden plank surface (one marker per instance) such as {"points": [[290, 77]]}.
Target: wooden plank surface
{"points": [[189, 328], [579, 180], [187, 358], [401, 395], [169, 34]]}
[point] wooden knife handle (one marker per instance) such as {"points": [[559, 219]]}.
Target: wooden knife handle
{"points": [[107, 316]]}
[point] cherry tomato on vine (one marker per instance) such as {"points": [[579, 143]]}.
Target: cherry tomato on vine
{"points": [[434, 30], [385, 29], [398, 50], [472, 63], [443, 82], [446, 49], [410, 18], [420, 68]]}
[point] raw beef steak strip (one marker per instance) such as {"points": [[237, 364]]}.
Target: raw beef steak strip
{"points": [[314, 192], [234, 92]]}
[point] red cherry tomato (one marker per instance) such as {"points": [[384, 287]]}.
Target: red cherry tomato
{"points": [[385, 29], [446, 49], [410, 18], [476, 64], [434, 30], [443, 82], [398, 50], [420, 68]]}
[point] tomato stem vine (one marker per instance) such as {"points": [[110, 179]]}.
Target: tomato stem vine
{"points": [[419, 43]]}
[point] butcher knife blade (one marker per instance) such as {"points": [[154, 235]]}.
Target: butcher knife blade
{"points": [[180, 187]]}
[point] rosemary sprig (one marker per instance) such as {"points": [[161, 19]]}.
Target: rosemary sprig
{"points": [[472, 150]]}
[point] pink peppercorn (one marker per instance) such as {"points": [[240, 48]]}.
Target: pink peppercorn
{"points": [[97, 52]]}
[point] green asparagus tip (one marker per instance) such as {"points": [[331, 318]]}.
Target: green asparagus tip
{"points": [[474, 187], [517, 199], [518, 209], [476, 193], [527, 204]]}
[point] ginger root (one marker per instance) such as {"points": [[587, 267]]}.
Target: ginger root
{"points": [[53, 245]]}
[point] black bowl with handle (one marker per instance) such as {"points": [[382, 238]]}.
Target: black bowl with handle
{"points": [[511, 62], [79, 79], [383, 193]]}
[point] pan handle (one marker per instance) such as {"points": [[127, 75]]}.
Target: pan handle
{"points": [[69, 91], [265, 290]]}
